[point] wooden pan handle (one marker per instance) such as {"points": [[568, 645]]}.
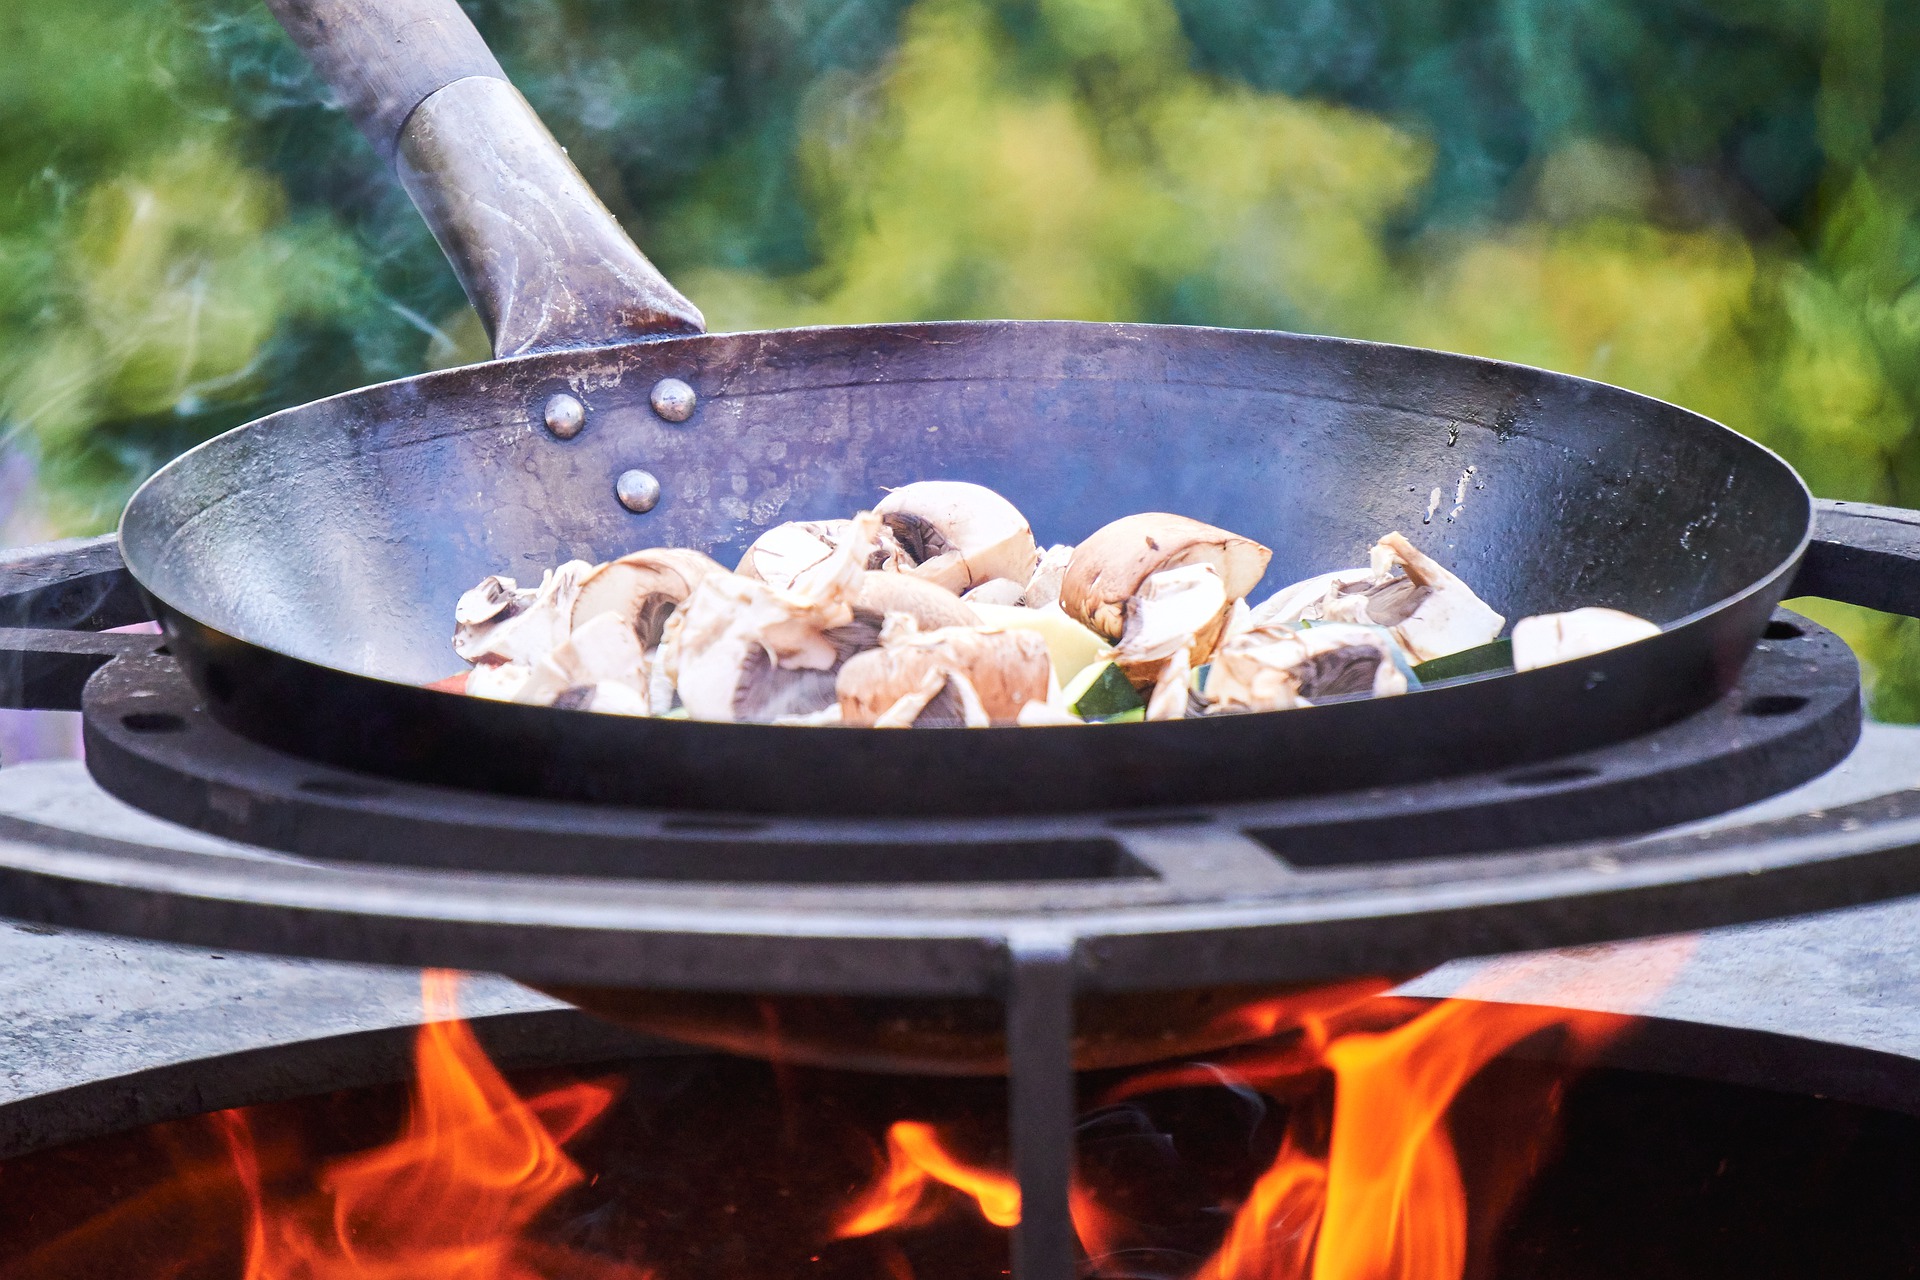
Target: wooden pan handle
{"points": [[542, 259]]}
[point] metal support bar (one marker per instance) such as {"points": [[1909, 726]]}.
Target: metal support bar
{"points": [[45, 670], [1041, 1104]]}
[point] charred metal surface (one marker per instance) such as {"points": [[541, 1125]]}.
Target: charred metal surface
{"points": [[1794, 713], [1040, 1102], [46, 670]]}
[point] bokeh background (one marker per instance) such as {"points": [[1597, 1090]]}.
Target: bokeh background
{"points": [[1714, 201]]}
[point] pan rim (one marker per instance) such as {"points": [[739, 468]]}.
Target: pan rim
{"points": [[1763, 583]]}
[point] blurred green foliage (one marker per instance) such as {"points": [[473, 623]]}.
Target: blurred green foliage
{"points": [[1715, 201]]}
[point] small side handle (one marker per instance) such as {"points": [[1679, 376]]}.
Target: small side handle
{"points": [[80, 584], [1863, 554]]}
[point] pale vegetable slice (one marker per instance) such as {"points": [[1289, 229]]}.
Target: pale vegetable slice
{"points": [[1106, 570], [1072, 647], [1547, 638], [1042, 714], [957, 534]]}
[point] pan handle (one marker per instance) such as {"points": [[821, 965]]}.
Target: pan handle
{"points": [[542, 259], [1863, 554]]}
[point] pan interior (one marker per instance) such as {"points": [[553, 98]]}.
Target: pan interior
{"points": [[341, 532]]}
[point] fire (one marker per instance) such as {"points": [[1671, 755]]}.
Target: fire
{"points": [[916, 1161], [451, 1198], [1377, 1194]]}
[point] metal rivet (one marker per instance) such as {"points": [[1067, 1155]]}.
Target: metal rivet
{"points": [[565, 416], [637, 490], [672, 399]]}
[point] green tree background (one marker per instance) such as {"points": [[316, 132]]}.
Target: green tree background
{"points": [[1714, 201]]}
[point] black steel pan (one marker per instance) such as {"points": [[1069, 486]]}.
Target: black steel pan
{"points": [[306, 565]]}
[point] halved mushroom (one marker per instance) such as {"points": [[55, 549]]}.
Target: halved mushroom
{"points": [[997, 591], [958, 535], [786, 551], [1276, 667], [1043, 585], [951, 671], [602, 651], [1107, 569], [1430, 612], [642, 589], [1174, 612], [515, 626], [740, 649], [1548, 638], [1171, 694]]}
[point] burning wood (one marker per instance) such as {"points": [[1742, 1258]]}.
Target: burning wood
{"points": [[939, 609]]}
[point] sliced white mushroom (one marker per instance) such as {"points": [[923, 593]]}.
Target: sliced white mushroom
{"points": [[1043, 587], [608, 699], [930, 606], [956, 668], [1177, 611], [787, 551], [643, 588], [1171, 690], [1277, 667], [1429, 610], [957, 534], [495, 600], [997, 591], [740, 649], [501, 682], [528, 631], [1547, 638], [1106, 570]]}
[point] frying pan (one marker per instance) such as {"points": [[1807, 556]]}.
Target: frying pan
{"points": [[305, 565]]}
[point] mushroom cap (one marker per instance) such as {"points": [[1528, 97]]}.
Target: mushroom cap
{"points": [[957, 534], [1005, 670], [1547, 638], [1106, 569], [643, 588], [787, 550]]}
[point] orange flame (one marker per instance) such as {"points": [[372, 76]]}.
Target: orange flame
{"points": [[451, 1197], [916, 1161], [1385, 1201], [1378, 1195]]}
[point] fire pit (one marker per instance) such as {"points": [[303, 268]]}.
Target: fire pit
{"points": [[1075, 923], [1588, 1145], [1026, 901]]}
